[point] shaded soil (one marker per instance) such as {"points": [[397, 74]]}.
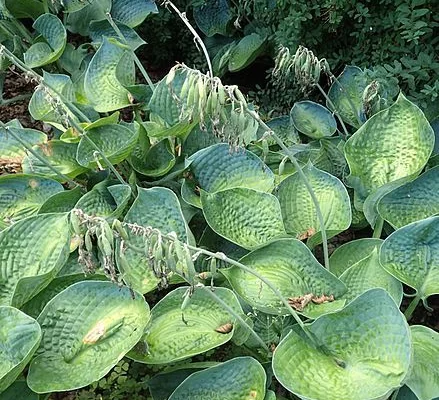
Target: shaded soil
{"points": [[16, 85]]}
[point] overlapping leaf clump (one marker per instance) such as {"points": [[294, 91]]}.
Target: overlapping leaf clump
{"points": [[194, 194]]}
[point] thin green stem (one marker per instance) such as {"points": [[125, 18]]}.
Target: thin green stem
{"points": [[231, 311], [64, 178], [378, 228], [412, 306], [330, 102], [194, 33], [136, 59], [305, 180], [20, 97]]}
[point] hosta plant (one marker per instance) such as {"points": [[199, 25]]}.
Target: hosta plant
{"points": [[191, 235]]}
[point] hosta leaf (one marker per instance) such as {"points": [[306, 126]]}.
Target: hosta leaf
{"points": [[350, 253], [35, 305], [413, 201], [158, 208], [42, 104], [424, 377], [163, 384], [98, 29], [25, 8], [244, 216], [19, 390], [32, 251], [368, 352], [22, 196], [299, 212], [411, 254], [370, 205], [69, 6], [54, 39], [213, 17], [11, 150], [106, 199], [61, 202], [115, 141], [154, 161], [218, 167], [392, 144], [163, 102], [313, 119], [168, 339], [369, 274], [79, 21], [20, 337], [103, 84], [59, 154], [290, 266], [245, 51], [87, 329], [132, 12], [347, 96], [236, 379], [284, 128]]}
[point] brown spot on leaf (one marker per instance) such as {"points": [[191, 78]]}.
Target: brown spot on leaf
{"points": [[226, 328], [33, 183], [94, 334], [300, 302], [307, 234], [253, 394]]}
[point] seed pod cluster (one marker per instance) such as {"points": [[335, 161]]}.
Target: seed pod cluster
{"points": [[207, 100], [303, 66]]}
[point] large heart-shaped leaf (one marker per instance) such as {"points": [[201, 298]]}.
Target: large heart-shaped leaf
{"points": [[20, 336], [53, 40], [87, 329], [346, 94], [290, 266], [350, 253], [313, 120], [106, 199], [411, 254], [41, 104], [158, 208], [22, 196], [392, 144], [132, 12], [424, 377], [219, 167], [245, 51], [413, 201], [110, 69], [244, 216], [61, 202], [364, 352], [168, 338], [59, 154], [236, 379], [299, 212], [32, 251], [213, 17], [368, 274], [164, 383], [115, 141]]}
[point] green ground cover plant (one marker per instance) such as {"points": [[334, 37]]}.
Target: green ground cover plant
{"points": [[167, 222]]}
